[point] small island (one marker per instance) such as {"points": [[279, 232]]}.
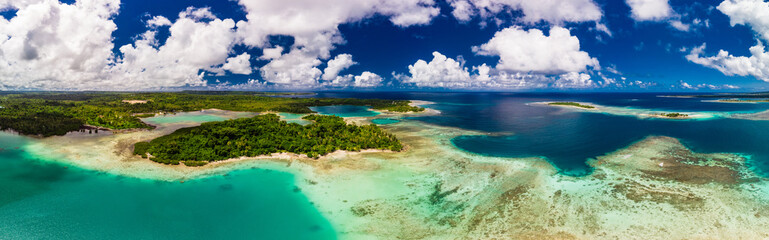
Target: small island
{"points": [[571, 104], [734, 100], [264, 135], [670, 115]]}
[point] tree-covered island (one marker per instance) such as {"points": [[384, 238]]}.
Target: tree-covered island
{"points": [[671, 115], [571, 104], [48, 114], [263, 135]]}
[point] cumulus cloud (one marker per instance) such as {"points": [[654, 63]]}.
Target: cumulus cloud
{"points": [[158, 21], [531, 51], [364, 80], [336, 65], [52, 45], [752, 13], [661, 11], [198, 41], [650, 10], [685, 85], [240, 64], [444, 72], [309, 17], [555, 12], [756, 65], [367, 79], [441, 71], [271, 53], [574, 80], [314, 26]]}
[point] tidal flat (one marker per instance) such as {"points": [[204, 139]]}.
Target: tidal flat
{"points": [[654, 188]]}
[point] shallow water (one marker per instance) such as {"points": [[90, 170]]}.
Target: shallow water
{"points": [[192, 117], [345, 111], [44, 200], [294, 118], [385, 121]]}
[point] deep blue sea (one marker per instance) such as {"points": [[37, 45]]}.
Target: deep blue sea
{"points": [[569, 139]]}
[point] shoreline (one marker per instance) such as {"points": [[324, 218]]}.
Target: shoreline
{"points": [[435, 190]]}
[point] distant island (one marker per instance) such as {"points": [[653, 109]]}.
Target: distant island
{"points": [[571, 104], [264, 135], [733, 100], [670, 115], [57, 113]]}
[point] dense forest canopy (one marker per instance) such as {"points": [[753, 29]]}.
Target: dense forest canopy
{"points": [[261, 135], [56, 113]]}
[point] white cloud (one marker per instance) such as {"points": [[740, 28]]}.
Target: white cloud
{"points": [[271, 53], [294, 68], [158, 21], [336, 65], [685, 85], [574, 80], [753, 13], [439, 72], [364, 80], [680, 26], [531, 51], [756, 65], [309, 17], [240, 64], [49, 45], [52, 45], [367, 79], [444, 72], [555, 12], [313, 24], [650, 10], [198, 41]]}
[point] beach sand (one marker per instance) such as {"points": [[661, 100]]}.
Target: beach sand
{"points": [[634, 112]]}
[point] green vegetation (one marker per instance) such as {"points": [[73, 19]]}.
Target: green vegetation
{"points": [[573, 104], [744, 100], [56, 113], [262, 135], [398, 106], [672, 115]]}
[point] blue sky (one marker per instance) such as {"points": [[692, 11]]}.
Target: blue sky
{"points": [[505, 45]]}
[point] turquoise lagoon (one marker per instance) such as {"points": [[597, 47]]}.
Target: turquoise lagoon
{"points": [[194, 117], [345, 111], [40, 199], [385, 121]]}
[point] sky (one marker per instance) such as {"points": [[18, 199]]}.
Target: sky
{"points": [[369, 45]]}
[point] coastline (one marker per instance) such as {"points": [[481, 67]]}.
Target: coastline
{"points": [[434, 190]]}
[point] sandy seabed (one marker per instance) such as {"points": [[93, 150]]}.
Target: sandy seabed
{"points": [[653, 189]]}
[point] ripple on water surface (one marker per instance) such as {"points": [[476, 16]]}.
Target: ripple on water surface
{"points": [[385, 121], [345, 111], [44, 200]]}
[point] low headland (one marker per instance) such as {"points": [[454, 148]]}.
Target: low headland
{"points": [[48, 114]]}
